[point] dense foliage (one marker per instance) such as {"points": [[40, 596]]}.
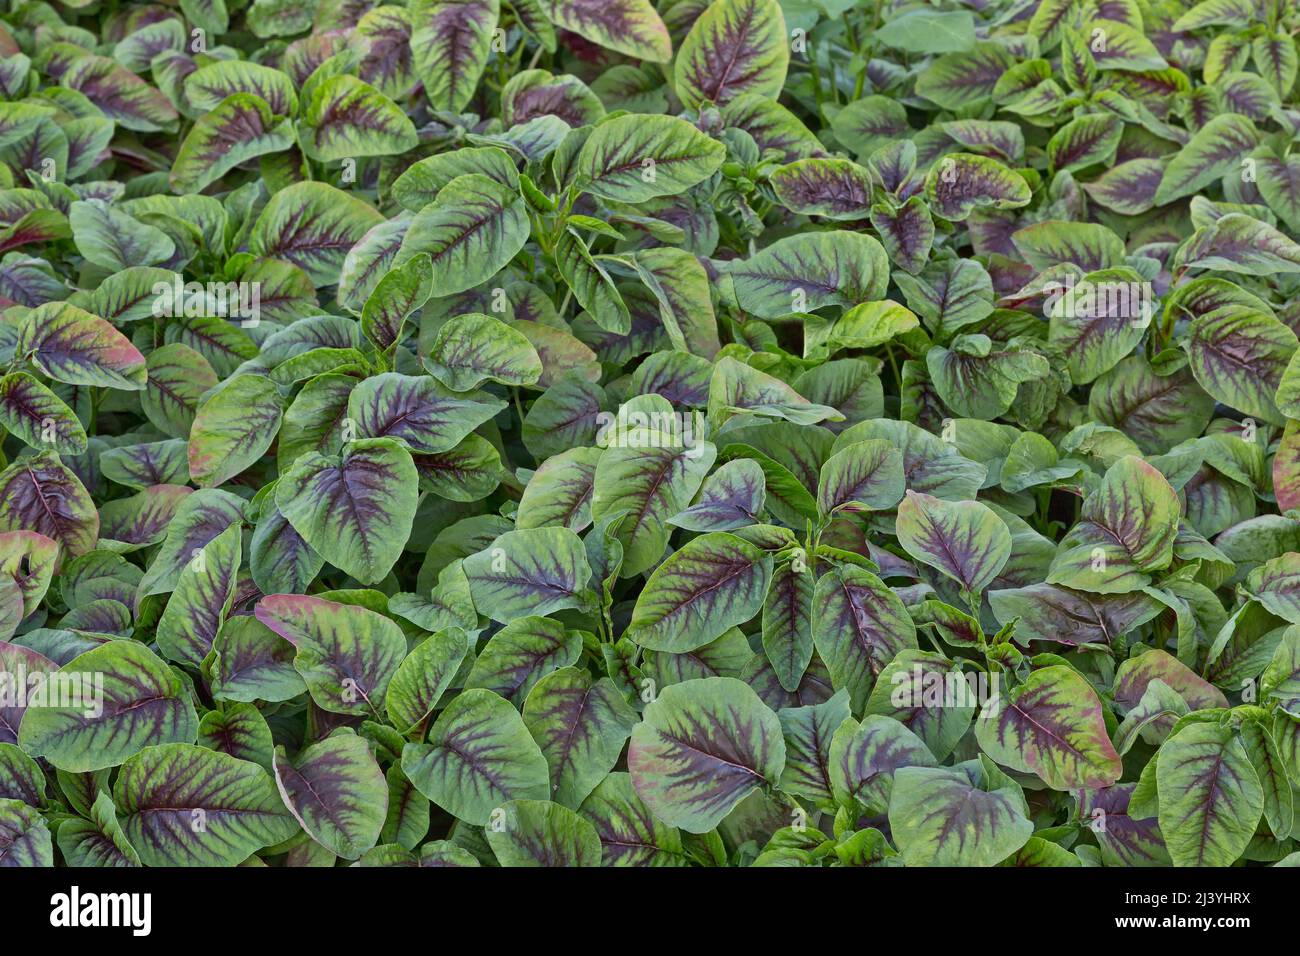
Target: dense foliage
{"points": [[597, 432]]}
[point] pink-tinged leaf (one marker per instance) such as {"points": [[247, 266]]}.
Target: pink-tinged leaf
{"points": [[347, 655], [336, 792], [41, 494], [1134, 674], [73, 346], [17, 664], [1051, 725], [123, 96]]}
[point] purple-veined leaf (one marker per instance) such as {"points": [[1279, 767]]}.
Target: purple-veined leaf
{"points": [[209, 85], [625, 26], [253, 663], [346, 654], [1126, 530], [120, 94], [423, 675], [98, 841], [938, 818], [178, 378], [965, 540], [450, 44], [581, 726], [531, 572], [163, 791], [128, 524], [479, 754], [24, 838], [239, 730], [354, 509], [143, 702], [1124, 840], [961, 182], [1214, 151], [415, 409], [559, 492], [470, 231], [701, 748], [421, 182], [808, 733], [516, 657], [533, 93], [653, 475], [36, 415], [30, 559], [233, 428], [734, 47], [635, 158], [41, 494], [630, 833], [198, 607], [1240, 357], [1128, 188], [730, 498], [787, 622], [1047, 612], [862, 758], [929, 695], [864, 476], [542, 833], [347, 118], [859, 626], [1210, 797], [714, 582], [806, 272], [17, 663], [398, 294], [1051, 725], [236, 130], [201, 517], [336, 792], [312, 225], [470, 349], [907, 233], [71, 345]]}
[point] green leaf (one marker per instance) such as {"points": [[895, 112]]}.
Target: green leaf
{"points": [[1210, 796], [715, 582], [143, 702], [701, 748], [355, 509], [635, 158], [479, 755]]}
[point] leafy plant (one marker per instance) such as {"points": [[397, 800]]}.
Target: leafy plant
{"points": [[462, 432]]}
